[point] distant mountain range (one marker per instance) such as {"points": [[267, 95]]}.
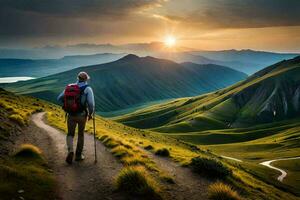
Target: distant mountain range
{"points": [[270, 95], [40, 68], [132, 81], [247, 61]]}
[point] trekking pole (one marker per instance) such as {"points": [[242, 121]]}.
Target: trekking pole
{"points": [[95, 137]]}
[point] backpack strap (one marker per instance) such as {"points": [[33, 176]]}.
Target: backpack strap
{"points": [[82, 88]]}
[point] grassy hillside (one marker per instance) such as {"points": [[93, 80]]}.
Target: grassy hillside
{"points": [[23, 173], [254, 121], [270, 95], [126, 144], [134, 81]]}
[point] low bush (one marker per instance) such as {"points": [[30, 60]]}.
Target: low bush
{"points": [[29, 151], [210, 167], [136, 181], [167, 179], [18, 119], [163, 152], [149, 147], [133, 160], [103, 137], [221, 191], [120, 152], [110, 143]]}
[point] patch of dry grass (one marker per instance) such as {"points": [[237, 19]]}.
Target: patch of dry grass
{"points": [[221, 191], [136, 181]]}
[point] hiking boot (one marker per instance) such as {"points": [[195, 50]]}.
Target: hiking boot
{"points": [[69, 158], [79, 157]]}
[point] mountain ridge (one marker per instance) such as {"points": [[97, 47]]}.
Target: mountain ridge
{"points": [[133, 80], [272, 94]]}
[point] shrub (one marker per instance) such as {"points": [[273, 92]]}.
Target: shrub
{"points": [[210, 167], [128, 146], [163, 152], [120, 152], [167, 179], [133, 160], [110, 143], [148, 147], [136, 181], [221, 191], [103, 137], [29, 151], [18, 119]]}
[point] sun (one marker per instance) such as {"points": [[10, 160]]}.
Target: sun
{"points": [[170, 41]]}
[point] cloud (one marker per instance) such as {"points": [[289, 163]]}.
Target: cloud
{"points": [[237, 13], [69, 18], [38, 22], [79, 8]]}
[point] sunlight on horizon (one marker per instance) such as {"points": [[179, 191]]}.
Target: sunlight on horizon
{"points": [[170, 41]]}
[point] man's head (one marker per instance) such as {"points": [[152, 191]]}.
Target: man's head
{"points": [[83, 76]]}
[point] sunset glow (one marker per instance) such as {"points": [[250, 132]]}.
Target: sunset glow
{"points": [[170, 41]]}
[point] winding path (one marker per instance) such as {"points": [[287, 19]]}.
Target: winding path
{"points": [[231, 158], [87, 180], [81, 180], [283, 173]]}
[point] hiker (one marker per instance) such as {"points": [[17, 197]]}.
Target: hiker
{"points": [[79, 104]]}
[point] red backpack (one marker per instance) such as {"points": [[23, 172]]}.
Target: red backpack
{"points": [[72, 99]]}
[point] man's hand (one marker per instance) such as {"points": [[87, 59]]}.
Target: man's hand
{"points": [[90, 117]]}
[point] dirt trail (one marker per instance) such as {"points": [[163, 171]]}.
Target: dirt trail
{"points": [[283, 173], [86, 180], [188, 185], [83, 180]]}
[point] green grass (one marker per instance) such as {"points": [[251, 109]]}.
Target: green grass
{"points": [[26, 171], [240, 105], [132, 140], [292, 167], [231, 122]]}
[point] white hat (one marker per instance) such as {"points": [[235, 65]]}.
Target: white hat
{"points": [[83, 76]]}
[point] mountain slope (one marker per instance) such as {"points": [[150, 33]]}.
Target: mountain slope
{"points": [[270, 95], [38, 68], [133, 80]]}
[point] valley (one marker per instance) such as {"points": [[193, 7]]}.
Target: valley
{"points": [[238, 122], [116, 136], [248, 124]]}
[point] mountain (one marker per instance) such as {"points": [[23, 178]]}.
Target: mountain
{"points": [[56, 52], [268, 96], [247, 61], [133, 81], [199, 59], [38, 68]]}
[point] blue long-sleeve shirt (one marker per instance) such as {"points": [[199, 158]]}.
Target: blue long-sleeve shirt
{"points": [[88, 97]]}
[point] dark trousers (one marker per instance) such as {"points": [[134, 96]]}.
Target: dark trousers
{"points": [[73, 122]]}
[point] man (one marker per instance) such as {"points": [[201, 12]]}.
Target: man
{"points": [[79, 103]]}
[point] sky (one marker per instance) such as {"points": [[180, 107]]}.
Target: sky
{"points": [[272, 25]]}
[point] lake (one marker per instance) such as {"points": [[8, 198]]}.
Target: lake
{"points": [[14, 79]]}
